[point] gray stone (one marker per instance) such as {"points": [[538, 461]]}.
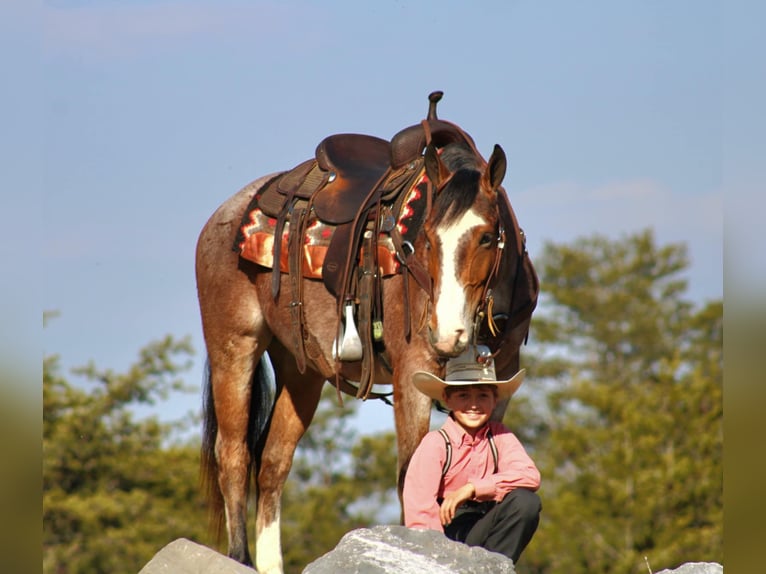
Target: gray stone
{"points": [[183, 556], [378, 550], [695, 568], [401, 550]]}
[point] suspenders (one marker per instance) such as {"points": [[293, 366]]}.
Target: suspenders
{"points": [[448, 459]]}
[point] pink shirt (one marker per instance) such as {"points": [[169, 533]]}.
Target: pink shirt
{"points": [[471, 462]]}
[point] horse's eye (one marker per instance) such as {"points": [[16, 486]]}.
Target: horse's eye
{"points": [[486, 239]]}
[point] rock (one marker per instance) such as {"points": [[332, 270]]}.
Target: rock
{"points": [[401, 550], [696, 568], [378, 550], [183, 556]]}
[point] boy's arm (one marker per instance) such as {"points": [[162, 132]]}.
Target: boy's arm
{"points": [[421, 484], [515, 470]]}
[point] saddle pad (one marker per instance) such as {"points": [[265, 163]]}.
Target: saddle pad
{"points": [[257, 245]]}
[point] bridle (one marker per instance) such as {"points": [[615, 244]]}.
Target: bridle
{"points": [[486, 303]]}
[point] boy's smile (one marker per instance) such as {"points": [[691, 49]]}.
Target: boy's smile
{"points": [[471, 405]]}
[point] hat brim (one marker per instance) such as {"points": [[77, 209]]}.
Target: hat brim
{"points": [[433, 386]]}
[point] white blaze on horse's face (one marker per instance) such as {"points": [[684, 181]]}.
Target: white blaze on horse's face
{"points": [[452, 320]]}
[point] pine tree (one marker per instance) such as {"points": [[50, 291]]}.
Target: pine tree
{"points": [[115, 488], [631, 450]]}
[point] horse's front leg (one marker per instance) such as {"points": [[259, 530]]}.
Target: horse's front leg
{"points": [[412, 415], [295, 406]]}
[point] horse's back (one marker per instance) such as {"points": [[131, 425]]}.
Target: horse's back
{"points": [[226, 295], [220, 230]]}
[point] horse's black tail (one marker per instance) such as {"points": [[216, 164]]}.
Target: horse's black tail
{"points": [[208, 463], [261, 404], [261, 408]]}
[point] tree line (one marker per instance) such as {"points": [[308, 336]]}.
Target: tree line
{"points": [[621, 409]]}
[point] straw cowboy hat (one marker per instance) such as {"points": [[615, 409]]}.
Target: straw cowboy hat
{"points": [[468, 369]]}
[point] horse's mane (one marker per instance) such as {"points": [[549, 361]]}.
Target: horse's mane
{"points": [[457, 197]]}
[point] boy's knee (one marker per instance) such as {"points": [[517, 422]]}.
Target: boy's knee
{"points": [[525, 502]]}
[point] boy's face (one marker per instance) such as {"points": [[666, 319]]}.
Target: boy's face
{"points": [[471, 405]]}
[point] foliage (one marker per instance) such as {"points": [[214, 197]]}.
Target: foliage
{"points": [[114, 488], [631, 453]]}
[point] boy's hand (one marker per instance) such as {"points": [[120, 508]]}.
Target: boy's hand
{"points": [[453, 500]]}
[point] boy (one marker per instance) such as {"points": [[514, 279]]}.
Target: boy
{"points": [[472, 479]]}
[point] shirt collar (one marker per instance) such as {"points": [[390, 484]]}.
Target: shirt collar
{"points": [[458, 434]]}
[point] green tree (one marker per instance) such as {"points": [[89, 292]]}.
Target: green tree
{"points": [[631, 445], [115, 487]]}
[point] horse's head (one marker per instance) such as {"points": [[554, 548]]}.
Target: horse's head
{"points": [[461, 239]]}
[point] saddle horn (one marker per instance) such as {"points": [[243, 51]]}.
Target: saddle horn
{"points": [[433, 99]]}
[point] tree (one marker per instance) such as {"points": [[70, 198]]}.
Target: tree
{"points": [[631, 447], [115, 488]]}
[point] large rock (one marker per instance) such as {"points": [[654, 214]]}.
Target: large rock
{"points": [[696, 568], [378, 550], [183, 556], [400, 550]]}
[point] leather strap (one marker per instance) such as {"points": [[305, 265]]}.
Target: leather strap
{"points": [[365, 294], [278, 230], [410, 262], [295, 262]]}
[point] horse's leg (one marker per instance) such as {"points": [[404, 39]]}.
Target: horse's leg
{"points": [[231, 375], [297, 399], [412, 415]]}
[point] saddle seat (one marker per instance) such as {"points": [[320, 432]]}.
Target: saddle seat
{"points": [[345, 169], [357, 162]]}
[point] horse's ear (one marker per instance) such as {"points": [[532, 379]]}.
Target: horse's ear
{"points": [[436, 171], [496, 167]]}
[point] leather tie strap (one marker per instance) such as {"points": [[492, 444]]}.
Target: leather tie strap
{"points": [[295, 248], [278, 229], [366, 288]]}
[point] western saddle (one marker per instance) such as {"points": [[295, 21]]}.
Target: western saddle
{"points": [[355, 185]]}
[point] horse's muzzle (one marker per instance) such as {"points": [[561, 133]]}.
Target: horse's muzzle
{"points": [[450, 346]]}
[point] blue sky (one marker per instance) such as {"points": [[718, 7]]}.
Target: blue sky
{"points": [[612, 115]]}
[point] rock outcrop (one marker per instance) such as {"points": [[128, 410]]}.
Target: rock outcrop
{"points": [[400, 550], [183, 556], [378, 550], [695, 568]]}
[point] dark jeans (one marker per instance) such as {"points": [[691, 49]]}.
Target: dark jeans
{"points": [[505, 527]]}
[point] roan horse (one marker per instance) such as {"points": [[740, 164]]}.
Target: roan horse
{"points": [[458, 273]]}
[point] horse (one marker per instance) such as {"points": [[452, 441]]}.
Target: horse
{"points": [[461, 275]]}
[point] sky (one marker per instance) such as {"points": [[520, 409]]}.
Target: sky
{"points": [[615, 117]]}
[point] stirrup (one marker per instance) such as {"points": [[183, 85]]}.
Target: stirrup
{"points": [[350, 348]]}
